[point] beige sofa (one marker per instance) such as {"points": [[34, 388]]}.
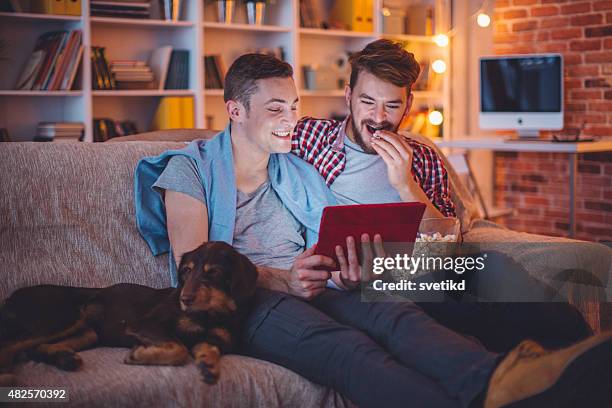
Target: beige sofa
{"points": [[67, 217]]}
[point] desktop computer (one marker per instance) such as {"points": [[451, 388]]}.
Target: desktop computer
{"points": [[522, 93]]}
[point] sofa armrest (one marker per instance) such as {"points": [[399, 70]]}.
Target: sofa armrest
{"points": [[582, 271]]}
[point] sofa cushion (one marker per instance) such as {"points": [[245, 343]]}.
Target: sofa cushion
{"points": [[245, 382], [67, 215]]}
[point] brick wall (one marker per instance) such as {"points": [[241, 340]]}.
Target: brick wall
{"points": [[536, 184]]}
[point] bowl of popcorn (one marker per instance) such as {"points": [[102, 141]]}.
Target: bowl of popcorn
{"points": [[437, 237]]}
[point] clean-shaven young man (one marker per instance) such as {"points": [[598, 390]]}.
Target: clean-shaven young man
{"points": [[364, 161], [237, 188]]}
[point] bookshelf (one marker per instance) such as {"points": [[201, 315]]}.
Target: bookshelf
{"points": [[199, 32]]}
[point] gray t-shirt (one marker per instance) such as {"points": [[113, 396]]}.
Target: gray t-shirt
{"points": [[265, 231], [364, 179]]}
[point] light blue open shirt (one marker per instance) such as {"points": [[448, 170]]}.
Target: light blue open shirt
{"points": [[298, 185]]}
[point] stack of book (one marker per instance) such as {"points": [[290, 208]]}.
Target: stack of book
{"points": [[121, 9], [101, 78], [105, 128], [132, 75], [59, 132], [214, 71], [53, 64], [178, 71]]}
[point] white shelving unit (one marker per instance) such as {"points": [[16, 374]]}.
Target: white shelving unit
{"points": [[201, 34]]}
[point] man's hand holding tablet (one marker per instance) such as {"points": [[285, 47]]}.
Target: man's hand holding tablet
{"points": [[351, 272], [342, 225]]}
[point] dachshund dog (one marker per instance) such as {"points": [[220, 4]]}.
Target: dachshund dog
{"points": [[161, 326]]}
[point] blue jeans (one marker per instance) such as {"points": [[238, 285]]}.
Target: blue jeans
{"points": [[376, 354]]}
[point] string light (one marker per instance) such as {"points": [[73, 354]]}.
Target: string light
{"points": [[439, 66], [435, 117], [441, 40], [483, 20]]}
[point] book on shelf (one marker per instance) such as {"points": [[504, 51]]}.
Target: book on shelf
{"points": [[101, 77], [48, 6], [73, 7], [63, 7], [53, 63], [106, 128], [178, 70], [169, 10], [174, 112], [121, 9], [60, 131], [214, 71], [354, 15], [159, 63], [310, 14]]}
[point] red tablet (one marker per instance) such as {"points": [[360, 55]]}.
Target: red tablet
{"points": [[395, 222]]}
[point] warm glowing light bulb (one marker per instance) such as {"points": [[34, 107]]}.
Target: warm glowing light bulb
{"points": [[435, 117], [483, 20], [441, 40], [439, 66], [386, 12]]}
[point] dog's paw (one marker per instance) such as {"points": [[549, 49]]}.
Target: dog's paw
{"points": [[132, 356], [67, 360], [210, 374]]}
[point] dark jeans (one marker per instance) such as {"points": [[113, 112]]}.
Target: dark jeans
{"points": [[376, 354], [502, 326], [542, 316]]}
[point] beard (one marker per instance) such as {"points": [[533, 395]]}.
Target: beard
{"points": [[372, 125]]}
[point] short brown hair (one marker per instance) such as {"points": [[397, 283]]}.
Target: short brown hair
{"points": [[240, 79], [386, 60]]}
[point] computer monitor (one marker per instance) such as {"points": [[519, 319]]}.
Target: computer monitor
{"points": [[522, 92]]}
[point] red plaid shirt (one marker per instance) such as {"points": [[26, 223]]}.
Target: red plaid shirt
{"points": [[321, 143]]}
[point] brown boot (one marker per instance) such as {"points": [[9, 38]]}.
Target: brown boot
{"points": [[579, 375]]}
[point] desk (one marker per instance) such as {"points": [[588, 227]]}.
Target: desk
{"points": [[572, 149]]}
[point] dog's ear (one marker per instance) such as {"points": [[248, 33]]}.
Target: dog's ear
{"points": [[244, 280]]}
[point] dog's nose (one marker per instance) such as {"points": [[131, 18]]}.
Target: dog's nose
{"points": [[187, 300]]}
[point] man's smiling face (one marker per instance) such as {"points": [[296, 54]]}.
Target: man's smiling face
{"points": [[272, 114], [374, 105]]}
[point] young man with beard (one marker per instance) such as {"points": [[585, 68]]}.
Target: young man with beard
{"points": [[365, 161], [237, 188]]}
